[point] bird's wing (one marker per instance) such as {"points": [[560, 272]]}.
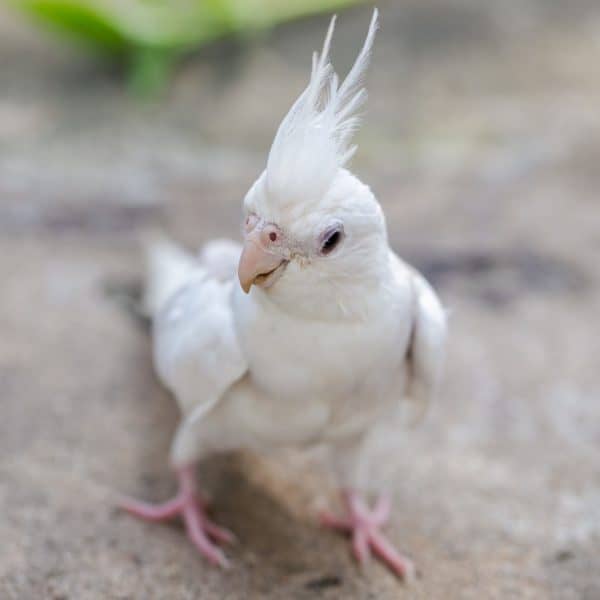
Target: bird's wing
{"points": [[427, 344], [196, 350]]}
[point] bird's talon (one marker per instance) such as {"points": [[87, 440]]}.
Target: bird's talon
{"points": [[365, 526], [219, 534], [331, 521], [190, 505]]}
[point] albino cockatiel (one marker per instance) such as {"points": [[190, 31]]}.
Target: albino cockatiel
{"points": [[322, 337]]}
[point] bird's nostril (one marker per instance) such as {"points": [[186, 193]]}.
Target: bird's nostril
{"points": [[273, 236], [250, 222]]}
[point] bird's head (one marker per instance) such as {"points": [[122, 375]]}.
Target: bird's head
{"points": [[311, 228]]}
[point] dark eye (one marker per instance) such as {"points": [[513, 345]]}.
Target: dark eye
{"points": [[331, 240]]}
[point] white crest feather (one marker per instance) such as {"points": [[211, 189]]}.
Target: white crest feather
{"points": [[314, 139]]}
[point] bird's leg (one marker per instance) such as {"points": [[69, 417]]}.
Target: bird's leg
{"points": [[191, 507], [364, 525]]}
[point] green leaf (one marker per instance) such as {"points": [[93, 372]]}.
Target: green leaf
{"points": [[77, 19], [149, 34], [149, 71]]}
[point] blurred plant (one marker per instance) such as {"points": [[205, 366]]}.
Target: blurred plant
{"points": [[148, 36]]}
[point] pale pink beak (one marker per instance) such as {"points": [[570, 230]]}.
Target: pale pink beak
{"points": [[260, 256]]}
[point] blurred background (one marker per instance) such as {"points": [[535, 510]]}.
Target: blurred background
{"points": [[482, 142]]}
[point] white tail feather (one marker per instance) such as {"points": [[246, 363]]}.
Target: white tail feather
{"points": [[168, 267]]}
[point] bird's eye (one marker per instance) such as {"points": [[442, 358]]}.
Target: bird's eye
{"points": [[331, 239]]}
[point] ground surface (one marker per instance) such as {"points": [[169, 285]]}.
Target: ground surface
{"points": [[483, 143]]}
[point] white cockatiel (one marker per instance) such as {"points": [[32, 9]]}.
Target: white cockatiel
{"points": [[320, 340]]}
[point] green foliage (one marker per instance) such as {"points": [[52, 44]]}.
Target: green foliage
{"points": [[148, 35]]}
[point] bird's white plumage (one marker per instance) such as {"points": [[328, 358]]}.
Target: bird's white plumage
{"points": [[220, 258], [428, 344], [168, 267], [338, 341], [196, 350], [314, 138]]}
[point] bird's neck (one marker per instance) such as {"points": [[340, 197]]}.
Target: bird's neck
{"points": [[343, 298]]}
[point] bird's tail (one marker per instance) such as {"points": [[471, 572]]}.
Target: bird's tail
{"points": [[168, 267]]}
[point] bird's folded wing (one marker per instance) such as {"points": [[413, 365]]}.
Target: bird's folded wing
{"points": [[196, 350], [426, 352]]}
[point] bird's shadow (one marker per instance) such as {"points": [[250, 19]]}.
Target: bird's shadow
{"points": [[289, 547]]}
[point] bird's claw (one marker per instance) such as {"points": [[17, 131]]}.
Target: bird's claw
{"points": [[191, 507], [364, 525]]}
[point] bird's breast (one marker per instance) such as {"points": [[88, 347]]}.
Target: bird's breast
{"points": [[335, 372]]}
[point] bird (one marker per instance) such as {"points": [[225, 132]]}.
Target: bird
{"points": [[311, 332]]}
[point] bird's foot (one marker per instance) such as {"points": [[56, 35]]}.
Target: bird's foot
{"points": [[364, 525], [191, 507]]}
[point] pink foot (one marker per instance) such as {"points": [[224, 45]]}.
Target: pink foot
{"points": [[192, 508], [364, 525]]}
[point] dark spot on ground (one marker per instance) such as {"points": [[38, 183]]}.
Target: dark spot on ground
{"points": [[497, 278], [326, 581], [95, 217], [127, 294], [563, 555]]}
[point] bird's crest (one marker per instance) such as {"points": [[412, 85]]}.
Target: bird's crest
{"points": [[314, 139]]}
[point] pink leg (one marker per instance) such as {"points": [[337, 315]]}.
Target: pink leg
{"points": [[190, 505], [364, 526]]}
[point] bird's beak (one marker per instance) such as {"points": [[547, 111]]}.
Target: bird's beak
{"points": [[257, 262]]}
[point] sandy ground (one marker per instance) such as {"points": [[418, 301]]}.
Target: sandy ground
{"points": [[482, 142]]}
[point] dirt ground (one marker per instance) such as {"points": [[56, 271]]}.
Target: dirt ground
{"points": [[483, 144]]}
